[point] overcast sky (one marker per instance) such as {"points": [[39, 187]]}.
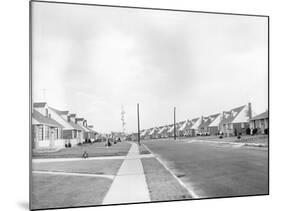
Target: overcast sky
{"points": [[92, 60]]}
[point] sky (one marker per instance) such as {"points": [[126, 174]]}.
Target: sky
{"points": [[91, 60]]}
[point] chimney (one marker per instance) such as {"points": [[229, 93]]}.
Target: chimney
{"points": [[250, 110], [71, 118]]}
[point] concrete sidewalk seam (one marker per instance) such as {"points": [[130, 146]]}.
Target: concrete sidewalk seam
{"points": [[49, 160], [75, 174]]}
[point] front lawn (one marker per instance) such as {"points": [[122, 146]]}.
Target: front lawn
{"points": [[85, 166], [53, 191], [161, 184], [93, 150]]}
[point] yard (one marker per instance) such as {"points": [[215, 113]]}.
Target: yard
{"points": [[214, 170], [161, 184], [93, 150], [52, 190]]}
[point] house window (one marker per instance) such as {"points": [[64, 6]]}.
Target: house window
{"points": [[47, 132], [40, 133], [242, 125]]}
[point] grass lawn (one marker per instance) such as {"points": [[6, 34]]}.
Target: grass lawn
{"points": [[259, 139], [94, 150], [143, 150], [52, 191], [213, 170], [161, 184], [84, 166]]}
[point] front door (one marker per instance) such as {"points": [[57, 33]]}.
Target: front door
{"points": [[52, 137]]}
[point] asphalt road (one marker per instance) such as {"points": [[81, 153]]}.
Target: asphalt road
{"points": [[215, 170]]}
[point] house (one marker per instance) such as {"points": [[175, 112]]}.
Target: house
{"points": [[194, 129], [160, 132], [214, 126], [170, 131], [204, 128], [45, 110], [93, 133], [260, 122], [153, 133], [79, 131], [174, 128], [46, 132], [145, 134], [236, 121], [163, 131], [86, 132], [186, 128], [70, 130]]}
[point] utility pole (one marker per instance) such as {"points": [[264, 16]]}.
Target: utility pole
{"points": [[123, 119], [138, 114], [175, 135]]}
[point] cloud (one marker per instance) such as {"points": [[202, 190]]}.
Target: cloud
{"points": [[91, 60]]}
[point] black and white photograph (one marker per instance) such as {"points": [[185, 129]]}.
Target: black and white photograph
{"points": [[138, 105]]}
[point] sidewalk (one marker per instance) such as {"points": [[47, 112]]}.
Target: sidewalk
{"points": [[129, 185]]}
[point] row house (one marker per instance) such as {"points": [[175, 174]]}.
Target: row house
{"points": [[260, 122], [45, 110], [82, 123], [204, 128], [153, 133], [165, 132], [194, 130], [145, 134], [162, 132], [187, 128], [230, 123], [70, 131], [93, 133], [46, 132], [236, 121]]}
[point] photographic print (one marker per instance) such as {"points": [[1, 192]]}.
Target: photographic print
{"points": [[137, 105]]}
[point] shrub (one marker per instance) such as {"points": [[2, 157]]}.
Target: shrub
{"points": [[69, 145], [66, 145], [248, 131], [255, 130]]}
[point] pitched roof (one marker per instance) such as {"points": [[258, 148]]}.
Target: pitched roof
{"points": [[39, 104], [153, 131], [229, 116], [162, 129], [208, 120], [59, 112], [195, 123], [67, 125], [41, 119], [75, 126], [263, 115]]}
